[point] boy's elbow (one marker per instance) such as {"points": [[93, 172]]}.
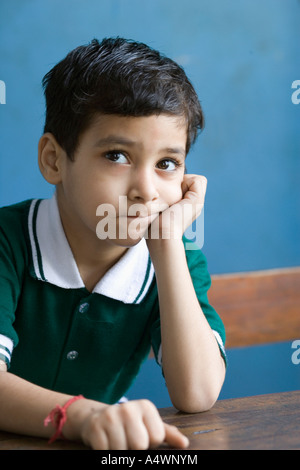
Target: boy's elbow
{"points": [[196, 395], [195, 402]]}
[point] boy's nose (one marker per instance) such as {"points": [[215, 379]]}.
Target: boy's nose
{"points": [[142, 187]]}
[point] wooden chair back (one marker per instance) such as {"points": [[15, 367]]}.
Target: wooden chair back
{"points": [[258, 307]]}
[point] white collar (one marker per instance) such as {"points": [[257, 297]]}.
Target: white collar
{"points": [[128, 280]]}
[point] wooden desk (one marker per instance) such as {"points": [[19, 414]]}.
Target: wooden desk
{"points": [[259, 422]]}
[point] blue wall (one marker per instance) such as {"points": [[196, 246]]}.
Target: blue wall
{"points": [[242, 58]]}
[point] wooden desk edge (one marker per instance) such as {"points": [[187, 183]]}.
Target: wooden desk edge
{"points": [[187, 422]]}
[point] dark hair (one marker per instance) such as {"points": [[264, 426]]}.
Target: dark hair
{"points": [[116, 76]]}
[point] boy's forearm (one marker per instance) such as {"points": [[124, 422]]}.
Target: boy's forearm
{"points": [[193, 367], [24, 406], [135, 425]]}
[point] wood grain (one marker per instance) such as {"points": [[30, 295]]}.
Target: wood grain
{"points": [[258, 307], [264, 422]]}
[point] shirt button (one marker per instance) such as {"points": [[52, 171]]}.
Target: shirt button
{"points": [[84, 307], [72, 355]]}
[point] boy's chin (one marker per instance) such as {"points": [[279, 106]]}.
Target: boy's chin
{"points": [[127, 242]]}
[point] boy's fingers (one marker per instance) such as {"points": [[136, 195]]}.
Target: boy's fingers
{"points": [[194, 185], [175, 438], [137, 435]]}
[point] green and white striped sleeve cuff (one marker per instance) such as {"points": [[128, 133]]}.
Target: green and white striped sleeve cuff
{"points": [[6, 347]]}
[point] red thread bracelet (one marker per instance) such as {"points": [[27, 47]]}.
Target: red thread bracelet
{"points": [[58, 416]]}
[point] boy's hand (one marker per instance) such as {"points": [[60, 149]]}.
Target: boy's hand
{"points": [[172, 222], [134, 425], [193, 191]]}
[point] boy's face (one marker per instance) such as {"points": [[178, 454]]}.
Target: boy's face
{"points": [[141, 159]]}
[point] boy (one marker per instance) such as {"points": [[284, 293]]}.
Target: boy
{"points": [[86, 287]]}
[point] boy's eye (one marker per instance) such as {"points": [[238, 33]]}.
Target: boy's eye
{"points": [[115, 156], [168, 165]]}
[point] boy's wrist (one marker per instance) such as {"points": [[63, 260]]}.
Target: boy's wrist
{"points": [[77, 414], [160, 249]]}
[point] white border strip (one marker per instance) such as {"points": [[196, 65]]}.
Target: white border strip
{"points": [[219, 341], [146, 288], [6, 344], [32, 241]]}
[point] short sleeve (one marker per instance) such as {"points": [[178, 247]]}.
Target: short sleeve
{"points": [[12, 242]]}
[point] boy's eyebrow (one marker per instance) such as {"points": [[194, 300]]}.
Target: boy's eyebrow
{"points": [[113, 139], [119, 140]]}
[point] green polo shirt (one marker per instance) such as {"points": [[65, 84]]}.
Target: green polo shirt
{"points": [[57, 334]]}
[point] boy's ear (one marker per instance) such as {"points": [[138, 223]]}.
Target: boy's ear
{"points": [[50, 156]]}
